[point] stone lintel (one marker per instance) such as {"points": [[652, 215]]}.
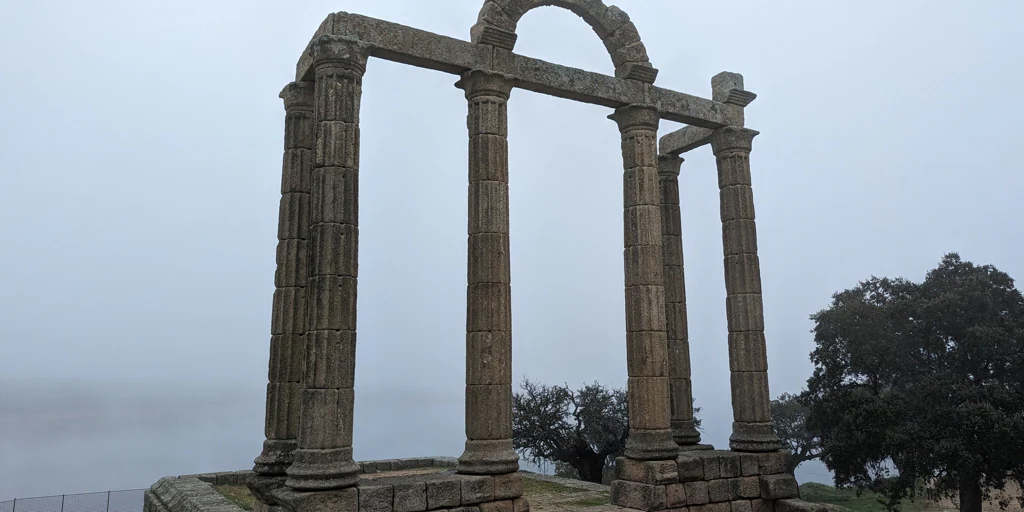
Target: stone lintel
{"points": [[683, 140], [407, 45]]}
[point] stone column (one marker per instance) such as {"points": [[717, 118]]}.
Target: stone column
{"points": [[488, 295], [748, 363], [288, 323], [324, 457], [650, 434], [683, 429]]}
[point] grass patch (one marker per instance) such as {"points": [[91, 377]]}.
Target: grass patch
{"points": [[238, 494], [593, 501], [848, 499], [532, 486]]}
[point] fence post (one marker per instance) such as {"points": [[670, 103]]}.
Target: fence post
{"points": [[108, 501], [61, 503]]}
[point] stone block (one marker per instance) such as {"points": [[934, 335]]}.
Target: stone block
{"points": [[488, 158], [521, 505], [644, 265], [497, 506], [488, 258], [639, 152], [739, 237], [638, 496], [335, 248], [375, 496], [675, 495], [712, 507], [645, 308], [762, 505], [332, 303], [508, 486], [635, 52], [330, 423], [410, 495], [337, 145], [720, 490], [654, 472], [488, 115], [465, 509], [729, 465], [443, 492], [741, 506], [331, 363], [488, 207], [773, 463], [690, 467], [744, 312], [289, 311], [343, 500], [496, 401], [293, 217], [749, 464], [476, 489], [647, 399], [642, 225], [750, 400], [712, 465], [488, 307], [747, 352], [489, 357], [648, 353], [335, 195], [748, 487], [777, 487], [696, 492], [297, 164], [797, 505], [736, 202], [641, 185]]}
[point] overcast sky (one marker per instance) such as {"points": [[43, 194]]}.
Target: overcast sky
{"points": [[140, 146]]}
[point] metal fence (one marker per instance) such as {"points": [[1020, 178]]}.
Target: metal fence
{"points": [[108, 501]]}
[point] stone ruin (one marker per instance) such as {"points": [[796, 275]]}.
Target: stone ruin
{"points": [[306, 464]]}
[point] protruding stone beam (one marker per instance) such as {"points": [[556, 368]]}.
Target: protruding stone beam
{"points": [[726, 88], [680, 392], [324, 457], [489, 297], [748, 363], [399, 43], [288, 324], [650, 434]]}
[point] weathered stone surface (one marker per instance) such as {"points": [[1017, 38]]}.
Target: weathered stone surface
{"points": [[773, 462], [762, 505], [753, 437], [747, 352], [741, 506], [797, 505], [375, 496], [326, 418], [675, 495], [744, 312], [489, 411], [638, 496], [476, 489], [488, 457], [750, 399], [497, 506], [742, 274], [721, 490], [343, 500], [729, 464], [748, 487], [443, 492], [777, 487], [712, 464], [648, 350], [713, 507], [489, 357], [690, 467], [508, 486], [330, 359], [410, 494], [696, 492], [648, 400], [645, 308], [749, 464], [658, 472], [521, 505]]}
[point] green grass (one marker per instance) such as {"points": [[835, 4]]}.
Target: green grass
{"points": [[595, 501], [848, 499], [238, 494], [531, 486]]}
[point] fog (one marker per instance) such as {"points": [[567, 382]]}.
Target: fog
{"points": [[140, 146]]}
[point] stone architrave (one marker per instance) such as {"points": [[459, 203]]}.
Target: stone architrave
{"points": [[323, 459], [650, 435], [680, 390], [288, 323], [489, 298], [752, 429]]}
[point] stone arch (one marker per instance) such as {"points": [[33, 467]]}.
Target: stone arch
{"points": [[496, 26]]}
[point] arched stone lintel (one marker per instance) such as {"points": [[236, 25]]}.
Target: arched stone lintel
{"points": [[496, 26]]}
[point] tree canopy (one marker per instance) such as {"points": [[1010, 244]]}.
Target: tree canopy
{"points": [[922, 383], [790, 418]]}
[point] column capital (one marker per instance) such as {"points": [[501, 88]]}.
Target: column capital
{"points": [[328, 50], [668, 165], [732, 138], [636, 116], [297, 96], [477, 82]]}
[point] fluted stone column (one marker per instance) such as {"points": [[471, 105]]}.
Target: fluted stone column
{"points": [[288, 323], [650, 434], [324, 457], [683, 429], [748, 363], [488, 296]]}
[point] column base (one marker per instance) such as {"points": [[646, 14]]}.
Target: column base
{"points": [[319, 470], [651, 445], [753, 437], [277, 455], [685, 432], [490, 457]]}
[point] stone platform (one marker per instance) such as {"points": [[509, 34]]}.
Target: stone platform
{"points": [[708, 481]]}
